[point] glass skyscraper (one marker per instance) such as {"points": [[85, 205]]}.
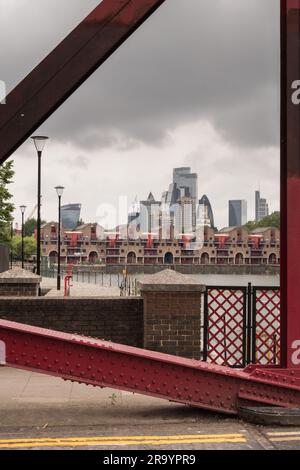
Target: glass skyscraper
{"points": [[237, 213], [70, 216]]}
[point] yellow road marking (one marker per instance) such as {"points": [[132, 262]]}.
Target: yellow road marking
{"points": [[285, 438], [122, 441], [287, 433], [141, 437]]}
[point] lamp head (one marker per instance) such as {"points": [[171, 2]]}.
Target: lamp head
{"points": [[39, 142], [59, 190]]}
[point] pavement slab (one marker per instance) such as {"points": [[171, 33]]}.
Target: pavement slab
{"points": [[43, 412]]}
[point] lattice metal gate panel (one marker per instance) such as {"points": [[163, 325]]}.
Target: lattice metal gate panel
{"points": [[225, 326], [266, 325]]}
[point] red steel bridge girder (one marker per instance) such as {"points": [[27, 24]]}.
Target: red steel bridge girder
{"points": [[46, 88], [105, 364], [100, 363]]}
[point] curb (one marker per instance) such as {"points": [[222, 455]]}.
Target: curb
{"points": [[270, 415]]}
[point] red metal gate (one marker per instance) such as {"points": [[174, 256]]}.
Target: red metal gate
{"points": [[266, 326], [242, 326], [225, 326]]}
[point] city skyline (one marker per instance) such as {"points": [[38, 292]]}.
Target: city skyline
{"points": [[137, 205], [145, 111]]}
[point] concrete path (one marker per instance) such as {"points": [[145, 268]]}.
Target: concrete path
{"points": [[43, 412], [79, 289]]}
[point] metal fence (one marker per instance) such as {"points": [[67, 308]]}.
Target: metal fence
{"points": [[241, 325], [126, 283]]}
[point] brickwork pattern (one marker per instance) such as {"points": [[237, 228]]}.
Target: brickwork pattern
{"points": [[172, 323], [114, 319], [18, 290]]}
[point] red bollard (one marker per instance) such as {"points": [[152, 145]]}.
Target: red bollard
{"points": [[67, 285]]}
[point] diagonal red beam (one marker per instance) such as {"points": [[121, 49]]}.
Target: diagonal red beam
{"points": [[67, 67], [104, 364]]}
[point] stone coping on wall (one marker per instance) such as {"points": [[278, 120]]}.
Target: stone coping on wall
{"points": [[19, 276], [169, 280], [66, 299]]}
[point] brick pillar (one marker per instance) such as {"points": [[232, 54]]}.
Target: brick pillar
{"points": [[19, 283], [172, 309]]}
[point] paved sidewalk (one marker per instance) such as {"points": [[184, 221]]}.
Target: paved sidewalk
{"points": [[44, 412], [56, 402], [79, 289]]}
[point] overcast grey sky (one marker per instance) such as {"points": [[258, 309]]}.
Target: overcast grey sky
{"points": [[197, 85]]}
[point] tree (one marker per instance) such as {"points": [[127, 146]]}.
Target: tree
{"points": [[6, 206], [30, 226], [272, 220], [29, 247]]}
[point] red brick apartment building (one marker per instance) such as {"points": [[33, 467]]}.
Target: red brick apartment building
{"points": [[229, 246]]}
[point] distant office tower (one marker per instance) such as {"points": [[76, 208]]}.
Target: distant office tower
{"points": [[172, 195], [261, 207], [237, 213], [149, 215], [184, 216], [205, 213], [187, 180], [70, 216], [187, 183], [134, 211]]}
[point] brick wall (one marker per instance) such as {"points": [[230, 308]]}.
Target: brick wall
{"points": [[172, 323], [18, 290], [115, 319]]}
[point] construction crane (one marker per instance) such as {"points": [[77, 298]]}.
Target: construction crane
{"points": [[32, 213]]}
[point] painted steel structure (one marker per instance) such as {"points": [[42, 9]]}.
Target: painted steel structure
{"points": [[53, 81], [109, 365]]}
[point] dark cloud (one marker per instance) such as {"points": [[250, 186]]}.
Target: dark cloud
{"points": [[192, 60]]}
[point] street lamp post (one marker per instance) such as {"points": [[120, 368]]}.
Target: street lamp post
{"points": [[39, 142], [59, 190], [11, 239], [23, 209]]}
